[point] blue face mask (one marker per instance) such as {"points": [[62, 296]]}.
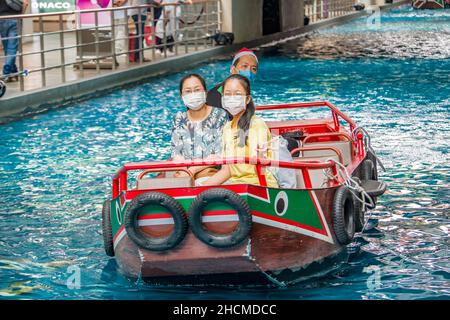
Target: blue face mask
{"points": [[248, 74]]}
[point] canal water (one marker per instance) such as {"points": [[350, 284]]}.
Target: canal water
{"points": [[392, 78]]}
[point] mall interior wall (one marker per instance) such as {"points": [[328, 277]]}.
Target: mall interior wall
{"points": [[247, 18]]}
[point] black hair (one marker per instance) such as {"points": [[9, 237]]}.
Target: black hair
{"points": [[244, 121], [192, 75]]}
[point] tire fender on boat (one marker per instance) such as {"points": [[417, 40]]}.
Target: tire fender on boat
{"points": [[359, 212], [344, 215], [369, 172], [145, 241], [107, 229], [2, 88], [233, 200]]}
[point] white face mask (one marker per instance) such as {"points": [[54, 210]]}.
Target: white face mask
{"points": [[195, 100], [234, 104]]}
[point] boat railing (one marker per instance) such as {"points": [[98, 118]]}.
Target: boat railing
{"points": [[120, 179], [336, 115], [317, 148]]}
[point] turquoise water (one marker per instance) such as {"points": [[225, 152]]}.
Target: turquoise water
{"points": [[56, 167]]}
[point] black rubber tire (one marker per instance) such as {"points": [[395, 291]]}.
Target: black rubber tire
{"points": [[2, 88], [107, 229], [156, 244], [359, 217], [344, 206], [359, 213], [369, 172], [373, 158], [233, 200]]}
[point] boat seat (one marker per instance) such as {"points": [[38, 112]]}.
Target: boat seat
{"points": [[319, 178], [344, 146], [164, 183]]}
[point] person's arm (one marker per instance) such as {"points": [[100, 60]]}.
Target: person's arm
{"points": [[179, 158], [25, 6], [177, 146], [224, 173], [176, 141], [259, 138], [196, 169], [165, 18], [119, 3], [219, 178]]}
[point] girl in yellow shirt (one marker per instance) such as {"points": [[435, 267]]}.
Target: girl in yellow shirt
{"points": [[242, 136]]}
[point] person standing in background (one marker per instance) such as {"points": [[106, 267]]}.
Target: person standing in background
{"points": [[166, 27], [120, 20], [156, 11], [135, 14], [8, 33]]}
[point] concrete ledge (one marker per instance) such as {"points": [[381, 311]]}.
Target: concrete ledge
{"points": [[36, 101], [389, 6]]}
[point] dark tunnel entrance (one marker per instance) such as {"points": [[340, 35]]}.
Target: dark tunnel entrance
{"points": [[271, 17]]}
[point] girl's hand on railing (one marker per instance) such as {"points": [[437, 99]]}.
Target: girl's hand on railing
{"points": [[181, 174]]}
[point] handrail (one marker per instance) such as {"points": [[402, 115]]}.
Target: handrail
{"points": [[48, 14], [217, 162], [120, 178], [335, 111], [144, 173], [328, 134], [97, 44], [120, 184], [335, 150], [331, 134]]}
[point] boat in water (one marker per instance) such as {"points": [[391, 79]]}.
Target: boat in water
{"points": [[166, 230], [431, 4]]}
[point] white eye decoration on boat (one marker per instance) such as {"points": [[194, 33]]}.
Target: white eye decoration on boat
{"points": [[281, 203], [119, 218]]}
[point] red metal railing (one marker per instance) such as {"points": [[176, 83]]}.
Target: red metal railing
{"points": [[336, 113], [121, 177]]}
